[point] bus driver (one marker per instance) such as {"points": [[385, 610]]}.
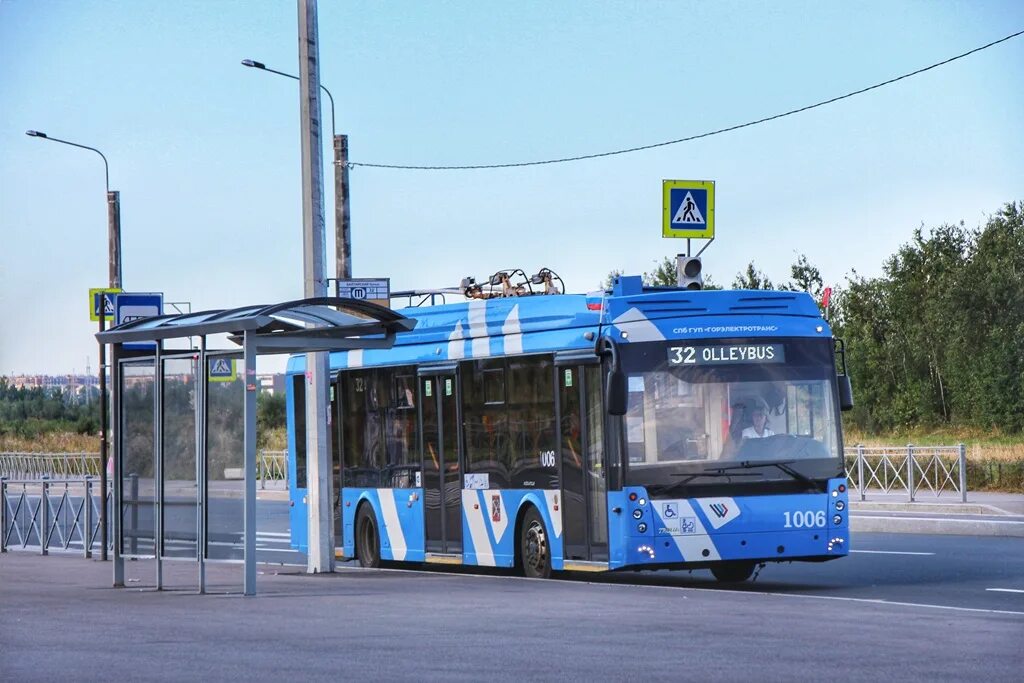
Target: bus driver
{"points": [[760, 427]]}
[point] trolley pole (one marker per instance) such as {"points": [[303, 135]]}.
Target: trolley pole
{"points": [[320, 557]]}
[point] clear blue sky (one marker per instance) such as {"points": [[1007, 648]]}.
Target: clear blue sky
{"points": [[206, 152]]}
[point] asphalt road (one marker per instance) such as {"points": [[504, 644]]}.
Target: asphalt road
{"points": [[971, 572], [59, 619], [975, 572]]}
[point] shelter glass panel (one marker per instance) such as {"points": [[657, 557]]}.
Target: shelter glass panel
{"points": [[225, 469], [138, 459], [178, 433]]}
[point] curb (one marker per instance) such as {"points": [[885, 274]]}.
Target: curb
{"points": [[905, 524], [927, 508]]}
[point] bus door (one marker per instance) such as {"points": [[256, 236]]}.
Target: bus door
{"points": [[442, 469], [584, 471]]}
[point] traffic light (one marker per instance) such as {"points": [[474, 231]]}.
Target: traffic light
{"points": [[689, 272]]}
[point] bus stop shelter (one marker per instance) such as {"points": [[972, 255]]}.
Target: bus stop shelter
{"points": [[165, 442]]}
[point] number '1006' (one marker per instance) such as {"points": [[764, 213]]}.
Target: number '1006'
{"points": [[801, 519]]}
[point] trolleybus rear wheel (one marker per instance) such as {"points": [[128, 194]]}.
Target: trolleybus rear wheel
{"points": [[534, 549], [367, 539], [733, 572]]}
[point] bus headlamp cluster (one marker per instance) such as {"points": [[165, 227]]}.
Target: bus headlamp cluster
{"points": [[840, 505], [638, 513]]}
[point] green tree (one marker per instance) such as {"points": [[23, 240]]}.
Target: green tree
{"points": [[752, 278]]}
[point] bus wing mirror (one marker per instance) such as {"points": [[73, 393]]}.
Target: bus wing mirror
{"points": [[845, 393], [843, 378], [615, 392]]}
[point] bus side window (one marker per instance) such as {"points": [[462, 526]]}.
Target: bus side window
{"points": [[400, 432], [531, 422], [485, 420], [363, 447]]}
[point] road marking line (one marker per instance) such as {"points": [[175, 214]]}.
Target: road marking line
{"points": [[890, 552], [610, 585], [1005, 590]]}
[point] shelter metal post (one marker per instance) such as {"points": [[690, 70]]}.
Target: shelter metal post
{"points": [[202, 395], [158, 466], [103, 434], [249, 362], [115, 508]]}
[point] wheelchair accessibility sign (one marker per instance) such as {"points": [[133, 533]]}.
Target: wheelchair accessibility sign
{"points": [[673, 523]]}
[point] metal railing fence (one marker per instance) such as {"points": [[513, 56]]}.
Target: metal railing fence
{"points": [[34, 466], [272, 465], [910, 469], [51, 514]]}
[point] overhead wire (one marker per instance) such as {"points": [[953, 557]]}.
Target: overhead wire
{"points": [[690, 138]]}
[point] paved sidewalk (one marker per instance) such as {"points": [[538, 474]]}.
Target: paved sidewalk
{"points": [[986, 513]]}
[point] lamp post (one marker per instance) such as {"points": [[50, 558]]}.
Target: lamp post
{"points": [[114, 268], [342, 223]]}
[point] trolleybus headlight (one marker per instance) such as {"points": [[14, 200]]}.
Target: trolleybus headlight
{"points": [[840, 505], [642, 501], [837, 520], [637, 514], [641, 527]]}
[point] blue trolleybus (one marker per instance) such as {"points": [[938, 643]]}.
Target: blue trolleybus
{"points": [[637, 428]]}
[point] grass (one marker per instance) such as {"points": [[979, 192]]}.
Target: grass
{"points": [[50, 442], [69, 442], [980, 445]]}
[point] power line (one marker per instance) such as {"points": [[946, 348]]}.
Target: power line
{"points": [[690, 138]]}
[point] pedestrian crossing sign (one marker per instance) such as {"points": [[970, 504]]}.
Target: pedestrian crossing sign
{"points": [[688, 209], [102, 296], [222, 370]]}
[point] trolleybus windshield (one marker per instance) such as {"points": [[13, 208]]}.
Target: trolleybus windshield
{"points": [[730, 413]]}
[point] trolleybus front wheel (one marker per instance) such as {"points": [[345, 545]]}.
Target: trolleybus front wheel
{"points": [[733, 572], [367, 539], [534, 548]]}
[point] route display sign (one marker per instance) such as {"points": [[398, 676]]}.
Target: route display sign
{"points": [[688, 209]]}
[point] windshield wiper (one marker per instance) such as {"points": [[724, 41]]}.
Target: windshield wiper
{"points": [[714, 472], [783, 465]]}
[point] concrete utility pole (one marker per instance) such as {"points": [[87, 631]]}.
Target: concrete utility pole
{"points": [[342, 222], [320, 556]]}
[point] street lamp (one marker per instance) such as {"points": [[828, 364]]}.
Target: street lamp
{"points": [[342, 223], [114, 259]]}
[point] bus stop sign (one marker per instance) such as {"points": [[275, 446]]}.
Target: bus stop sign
{"points": [[129, 306]]}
